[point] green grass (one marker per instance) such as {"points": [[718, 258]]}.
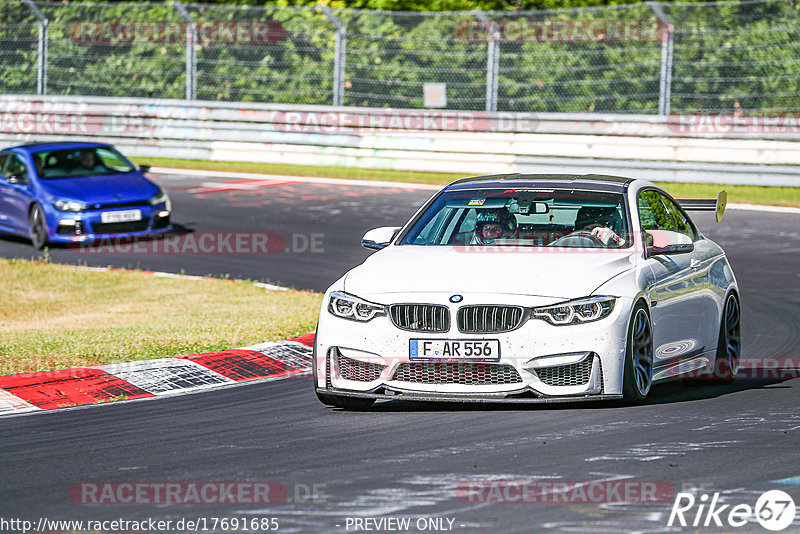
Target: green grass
{"points": [[743, 194], [57, 316], [350, 173]]}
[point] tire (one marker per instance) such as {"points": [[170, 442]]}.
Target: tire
{"points": [[38, 227], [729, 345], [638, 377]]}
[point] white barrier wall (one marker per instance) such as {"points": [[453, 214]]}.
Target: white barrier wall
{"points": [[718, 149]]}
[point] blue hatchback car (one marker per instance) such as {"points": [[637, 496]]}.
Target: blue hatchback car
{"points": [[72, 192]]}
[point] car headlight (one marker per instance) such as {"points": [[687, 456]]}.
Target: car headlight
{"points": [[69, 205], [583, 310], [353, 308], [160, 198]]}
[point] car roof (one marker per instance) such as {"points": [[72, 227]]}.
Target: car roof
{"points": [[63, 145], [591, 182]]}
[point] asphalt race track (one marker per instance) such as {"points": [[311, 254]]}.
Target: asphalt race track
{"points": [[408, 460], [318, 226]]}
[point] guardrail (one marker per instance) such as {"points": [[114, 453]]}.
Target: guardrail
{"points": [[691, 148]]}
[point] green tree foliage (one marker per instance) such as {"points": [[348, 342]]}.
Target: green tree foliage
{"points": [[727, 56]]}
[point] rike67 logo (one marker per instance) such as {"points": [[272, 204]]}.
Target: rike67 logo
{"points": [[774, 510]]}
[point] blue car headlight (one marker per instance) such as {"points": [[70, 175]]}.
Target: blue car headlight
{"points": [[578, 311], [161, 198], [69, 205], [351, 307]]}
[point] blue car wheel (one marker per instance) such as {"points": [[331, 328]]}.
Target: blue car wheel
{"points": [[38, 226]]}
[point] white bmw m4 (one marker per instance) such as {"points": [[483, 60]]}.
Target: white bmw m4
{"points": [[526, 288]]}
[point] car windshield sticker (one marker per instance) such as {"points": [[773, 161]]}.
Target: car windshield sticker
{"points": [[477, 202]]}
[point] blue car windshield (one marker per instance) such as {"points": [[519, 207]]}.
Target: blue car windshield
{"points": [[524, 217], [79, 162]]}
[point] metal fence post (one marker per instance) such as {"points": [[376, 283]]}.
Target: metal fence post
{"points": [[41, 64], [492, 60], [339, 55], [191, 51], [667, 44]]}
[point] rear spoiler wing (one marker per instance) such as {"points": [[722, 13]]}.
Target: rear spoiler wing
{"points": [[717, 205]]}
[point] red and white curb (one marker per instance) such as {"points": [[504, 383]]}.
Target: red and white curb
{"points": [[49, 390]]}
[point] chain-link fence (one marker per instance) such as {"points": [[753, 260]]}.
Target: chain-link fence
{"points": [[648, 58]]}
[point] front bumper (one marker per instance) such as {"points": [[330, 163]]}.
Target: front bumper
{"points": [[87, 226], [534, 365]]}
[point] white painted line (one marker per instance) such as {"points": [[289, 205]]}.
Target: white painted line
{"points": [[270, 287], [167, 375], [373, 183], [292, 353], [161, 274], [10, 403], [179, 276], [95, 269], [768, 209], [304, 179]]}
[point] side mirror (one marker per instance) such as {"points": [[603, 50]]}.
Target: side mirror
{"points": [[379, 238], [667, 242], [144, 168]]}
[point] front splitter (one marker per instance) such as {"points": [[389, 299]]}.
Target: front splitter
{"points": [[509, 397]]}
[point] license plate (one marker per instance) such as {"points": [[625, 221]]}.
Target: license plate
{"points": [[121, 216], [454, 349]]}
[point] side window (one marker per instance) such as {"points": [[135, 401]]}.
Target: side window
{"points": [[469, 221], [3, 158], [433, 229], [112, 160], [14, 166], [652, 213], [681, 221]]}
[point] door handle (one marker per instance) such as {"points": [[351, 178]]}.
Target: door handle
{"points": [[695, 264]]}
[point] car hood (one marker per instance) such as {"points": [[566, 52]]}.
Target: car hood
{"points": [[435, 269], [101, 189]]}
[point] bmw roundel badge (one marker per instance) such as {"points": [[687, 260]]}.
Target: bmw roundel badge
{"points": [[456, 298]]}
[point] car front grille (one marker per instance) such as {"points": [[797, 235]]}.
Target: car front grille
{"points": [[359, 371], [466, 373], [489, 319], [574, 374], [420, 317], [118, 205], [121, 227]]}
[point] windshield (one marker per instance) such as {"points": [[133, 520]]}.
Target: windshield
{"points": [[75, 162], [524, 217]]}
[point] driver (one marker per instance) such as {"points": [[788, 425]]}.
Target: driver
{"points": [[600, 221], [88, 162], [494, 224]]}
